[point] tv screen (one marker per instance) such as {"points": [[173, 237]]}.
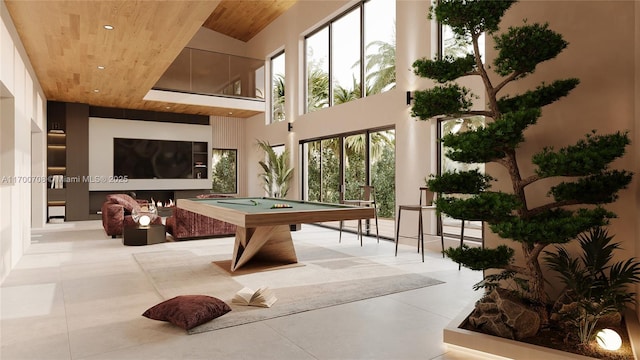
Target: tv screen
{"points": [[152, 159]]}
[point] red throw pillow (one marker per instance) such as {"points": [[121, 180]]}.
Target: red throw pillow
{"points": [[188, 311]]}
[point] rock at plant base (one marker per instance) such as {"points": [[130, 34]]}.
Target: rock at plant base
{"points": [[505, 315]]}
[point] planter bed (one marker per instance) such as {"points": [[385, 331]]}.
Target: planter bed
{"points": [[494, 347]]}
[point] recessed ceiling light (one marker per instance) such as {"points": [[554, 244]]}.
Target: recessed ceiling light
{"points": [[230, 113], [100, 67], [108, 27], [96, 90], [167, 107]]}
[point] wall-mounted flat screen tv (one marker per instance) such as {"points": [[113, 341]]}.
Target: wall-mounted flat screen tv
{"points": [[152, 159]]}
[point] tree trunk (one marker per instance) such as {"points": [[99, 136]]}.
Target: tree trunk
{"points": [[536, 280], [536, 283]]}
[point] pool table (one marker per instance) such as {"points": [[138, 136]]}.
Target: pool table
{"points": [[262, 224]]}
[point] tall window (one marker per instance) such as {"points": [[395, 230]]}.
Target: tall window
{"points": [[354, 48], [277, 88], [224, 171]]}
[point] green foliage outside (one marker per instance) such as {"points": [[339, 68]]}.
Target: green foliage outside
{"points": [[383, 178], [381, 66], [224, 172], [355, 170], [313, 172], [278, 98], [574, 206], [381, 76], [330, 176]]}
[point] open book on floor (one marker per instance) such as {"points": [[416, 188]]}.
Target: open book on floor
{"points": [[262, 297]]}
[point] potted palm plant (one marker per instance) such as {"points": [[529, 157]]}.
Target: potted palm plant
{"points": [[276, 173]]}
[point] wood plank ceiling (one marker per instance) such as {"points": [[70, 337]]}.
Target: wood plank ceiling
{"points": [[66, 43]]}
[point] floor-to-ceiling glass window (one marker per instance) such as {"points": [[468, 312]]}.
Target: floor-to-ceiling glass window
{"points": [[346, 162]]}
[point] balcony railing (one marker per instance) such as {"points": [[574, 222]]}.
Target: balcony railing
{"points": [[204, 72]]}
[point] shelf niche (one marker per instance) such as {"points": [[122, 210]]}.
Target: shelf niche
{"points": [[200, 160]]}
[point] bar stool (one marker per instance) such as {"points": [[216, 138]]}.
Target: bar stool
{"points": [[367, 198], [425, 203]]}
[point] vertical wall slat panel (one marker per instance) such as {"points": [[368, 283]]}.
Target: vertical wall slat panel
{"points": [[228, 133]]}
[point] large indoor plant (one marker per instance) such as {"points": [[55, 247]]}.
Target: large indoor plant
{"points": [[277, 172], [585, 180]]}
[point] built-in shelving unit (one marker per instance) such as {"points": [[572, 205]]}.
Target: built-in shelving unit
{"points": [[200, 160], [56, 171], [56, 156]]}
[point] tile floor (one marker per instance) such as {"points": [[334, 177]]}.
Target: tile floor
{"points": [[78, 294]]}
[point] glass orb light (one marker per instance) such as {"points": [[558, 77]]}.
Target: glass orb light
{"points": [[608, 339], [145, 215], [144, 220]]}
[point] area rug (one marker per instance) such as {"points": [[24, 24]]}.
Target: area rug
{"points": [[322, 278]]}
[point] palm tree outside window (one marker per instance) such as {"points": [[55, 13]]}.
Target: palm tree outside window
{"points": [[277, 87], [351, 56]]}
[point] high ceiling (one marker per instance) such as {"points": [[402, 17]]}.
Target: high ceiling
{"points": [[66, 43]]}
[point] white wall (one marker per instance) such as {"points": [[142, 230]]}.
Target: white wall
{"points": [[228, 133], [21, 114], [101, 134]]}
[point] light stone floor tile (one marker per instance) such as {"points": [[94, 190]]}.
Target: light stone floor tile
{"points": [[252, 341], [79, 294], [40, 347], [380, 328]]}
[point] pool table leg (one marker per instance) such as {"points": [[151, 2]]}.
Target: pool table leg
{"points": [[269, 243]]}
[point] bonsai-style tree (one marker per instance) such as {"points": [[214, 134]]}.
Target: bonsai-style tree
{"points": [[587, 180], [276, 171]]}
